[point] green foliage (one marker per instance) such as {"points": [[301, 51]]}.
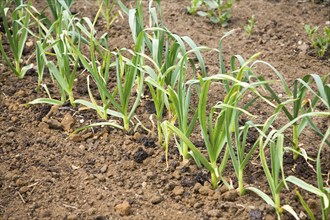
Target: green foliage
{"points": [[167, 64], [16, 33], [107, 7], [249, 27], [320, 42], [218, 11], [58, 6]]}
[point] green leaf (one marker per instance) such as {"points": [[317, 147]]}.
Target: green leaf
{"points": [[46, 101], [308, 187], [263, 195]]}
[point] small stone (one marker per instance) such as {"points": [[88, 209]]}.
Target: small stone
{"points": [[72, 217], [214, 213], [43, 126], [67, 122], [82, 147], [45, 213], [24, 189], [198, 205], [302, 215], [76, 138], [223, 189], [123, 209], [269, 217], [29, 44], [205, 190], [104, 168], [196, 187], [255, 214], [11, 129], [137, 136], [178, 190], [54, 124], [21, 182], [74, 167], [100, 177], [170, 186], [150, 175], [230, 195], [91, 211], [303, 48], [156, 199], [187, 182]]}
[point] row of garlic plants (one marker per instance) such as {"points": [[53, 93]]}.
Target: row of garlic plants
{"points": [[166, 63]]}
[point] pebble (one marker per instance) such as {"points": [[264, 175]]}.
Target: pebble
{"points": [[100, 177], [21, 182], [205, 190], [196, 187], [76, 138], [91, 211], [123, 209], [230, 195], [170, 186], [104, 168], [178, 190], [198, 205], [214, 213], [269, 217], [137, 136], [255, 214], [67, 122], [45, 213], [72, 217], [54, 124], [187, 182], [156, 199], [43, 126], [223, 189], [24, 189]]}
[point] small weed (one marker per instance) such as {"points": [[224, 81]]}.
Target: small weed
{"points": [[249, 27], [319, 42], [218, 11]]}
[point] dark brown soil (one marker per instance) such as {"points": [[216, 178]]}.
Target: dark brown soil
{"points": [[106, 174]]}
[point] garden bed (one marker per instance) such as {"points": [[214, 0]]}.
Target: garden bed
{"points": [[106, 173]]}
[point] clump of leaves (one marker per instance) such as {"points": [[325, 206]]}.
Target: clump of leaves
{"points": [[320, 42], [15, 24], [218, 11], [249, 27]]}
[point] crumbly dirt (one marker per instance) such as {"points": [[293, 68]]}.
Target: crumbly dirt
{"points": [[105, 173]]}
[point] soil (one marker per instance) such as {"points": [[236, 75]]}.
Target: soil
{"points": [[106, 173]]}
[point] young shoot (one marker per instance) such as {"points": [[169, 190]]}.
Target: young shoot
{"points": [[249, 27], [15, 34]]}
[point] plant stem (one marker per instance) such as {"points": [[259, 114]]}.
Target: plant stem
{"points": [[277, 201], [185, 150], [160, 134], [71, 98], [214, 180], [126, 122], [295, 141], [240, 182], [18, 69]]}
